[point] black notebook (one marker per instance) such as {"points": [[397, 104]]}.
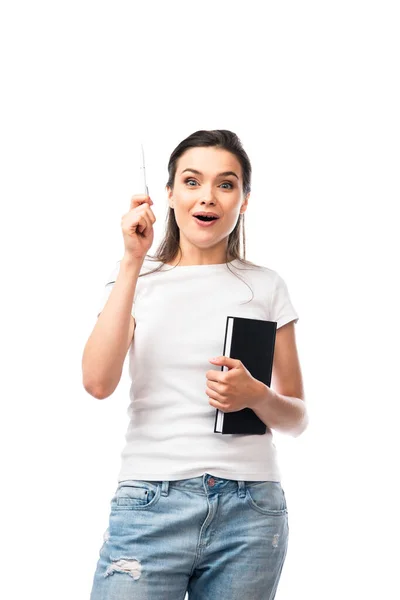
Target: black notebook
{"points": [[252, 341]]}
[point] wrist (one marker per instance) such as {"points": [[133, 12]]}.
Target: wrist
{"points": [[261, 394], [131, 263]]}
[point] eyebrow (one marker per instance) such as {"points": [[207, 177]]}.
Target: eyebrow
{"points": [[224, 174]]}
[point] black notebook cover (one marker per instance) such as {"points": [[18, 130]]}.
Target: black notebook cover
{"points": [[252, 341]]}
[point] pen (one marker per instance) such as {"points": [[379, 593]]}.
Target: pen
{"points": [[144, 173]]}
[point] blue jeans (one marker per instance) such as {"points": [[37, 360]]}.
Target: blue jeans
{"points": [[206, 536]]}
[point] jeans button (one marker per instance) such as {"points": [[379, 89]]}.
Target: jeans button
{"points": [[211, 482]]}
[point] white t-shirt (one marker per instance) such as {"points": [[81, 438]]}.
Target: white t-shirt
{"points": [[180, 317]]}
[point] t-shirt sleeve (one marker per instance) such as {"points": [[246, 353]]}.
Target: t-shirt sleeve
{"points": [[111, 279], [282, 309]]}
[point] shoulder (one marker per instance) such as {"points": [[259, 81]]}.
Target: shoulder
{"points": [[250, 267]]}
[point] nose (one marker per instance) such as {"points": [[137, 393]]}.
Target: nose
{"points": [[208, 197]]}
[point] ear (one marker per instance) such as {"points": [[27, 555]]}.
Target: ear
{"points": [[169, 195], [243, 208]]}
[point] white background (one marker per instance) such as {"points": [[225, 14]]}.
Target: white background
{"points": [[312, 90]]}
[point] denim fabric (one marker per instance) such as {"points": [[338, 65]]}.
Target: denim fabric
{"points": [[205, 536]]}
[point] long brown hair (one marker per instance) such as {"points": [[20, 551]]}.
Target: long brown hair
{"points": [[169, 246]]}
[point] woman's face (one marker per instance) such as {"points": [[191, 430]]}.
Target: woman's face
{"points": [[210, 189]]}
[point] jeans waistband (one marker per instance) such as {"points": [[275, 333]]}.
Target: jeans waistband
{"points": [[206, 483]]}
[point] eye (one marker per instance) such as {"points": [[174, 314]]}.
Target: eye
{"points": [[189, 179]]}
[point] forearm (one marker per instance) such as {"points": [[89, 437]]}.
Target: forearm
{"points": [[106, 348], [285, 414]]}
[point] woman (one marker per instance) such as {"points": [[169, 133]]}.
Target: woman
{"points": [[194, 511]]}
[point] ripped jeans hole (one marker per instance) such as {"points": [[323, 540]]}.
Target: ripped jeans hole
{"points": [[130, 566]]}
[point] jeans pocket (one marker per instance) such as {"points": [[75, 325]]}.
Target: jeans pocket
{"points": [[266, 497], [135, 494]]}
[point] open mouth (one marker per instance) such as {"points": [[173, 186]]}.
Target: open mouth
{"points": [[203, 221], [203, 218]]}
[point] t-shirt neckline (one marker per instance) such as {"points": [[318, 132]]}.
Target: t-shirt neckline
{"points": [[213, 265]]}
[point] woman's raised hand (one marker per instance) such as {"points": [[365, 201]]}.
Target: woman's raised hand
{"points": [[137, 227]]}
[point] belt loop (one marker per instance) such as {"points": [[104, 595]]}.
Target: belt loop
{"points": [[164, 488], [242, 489]]}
